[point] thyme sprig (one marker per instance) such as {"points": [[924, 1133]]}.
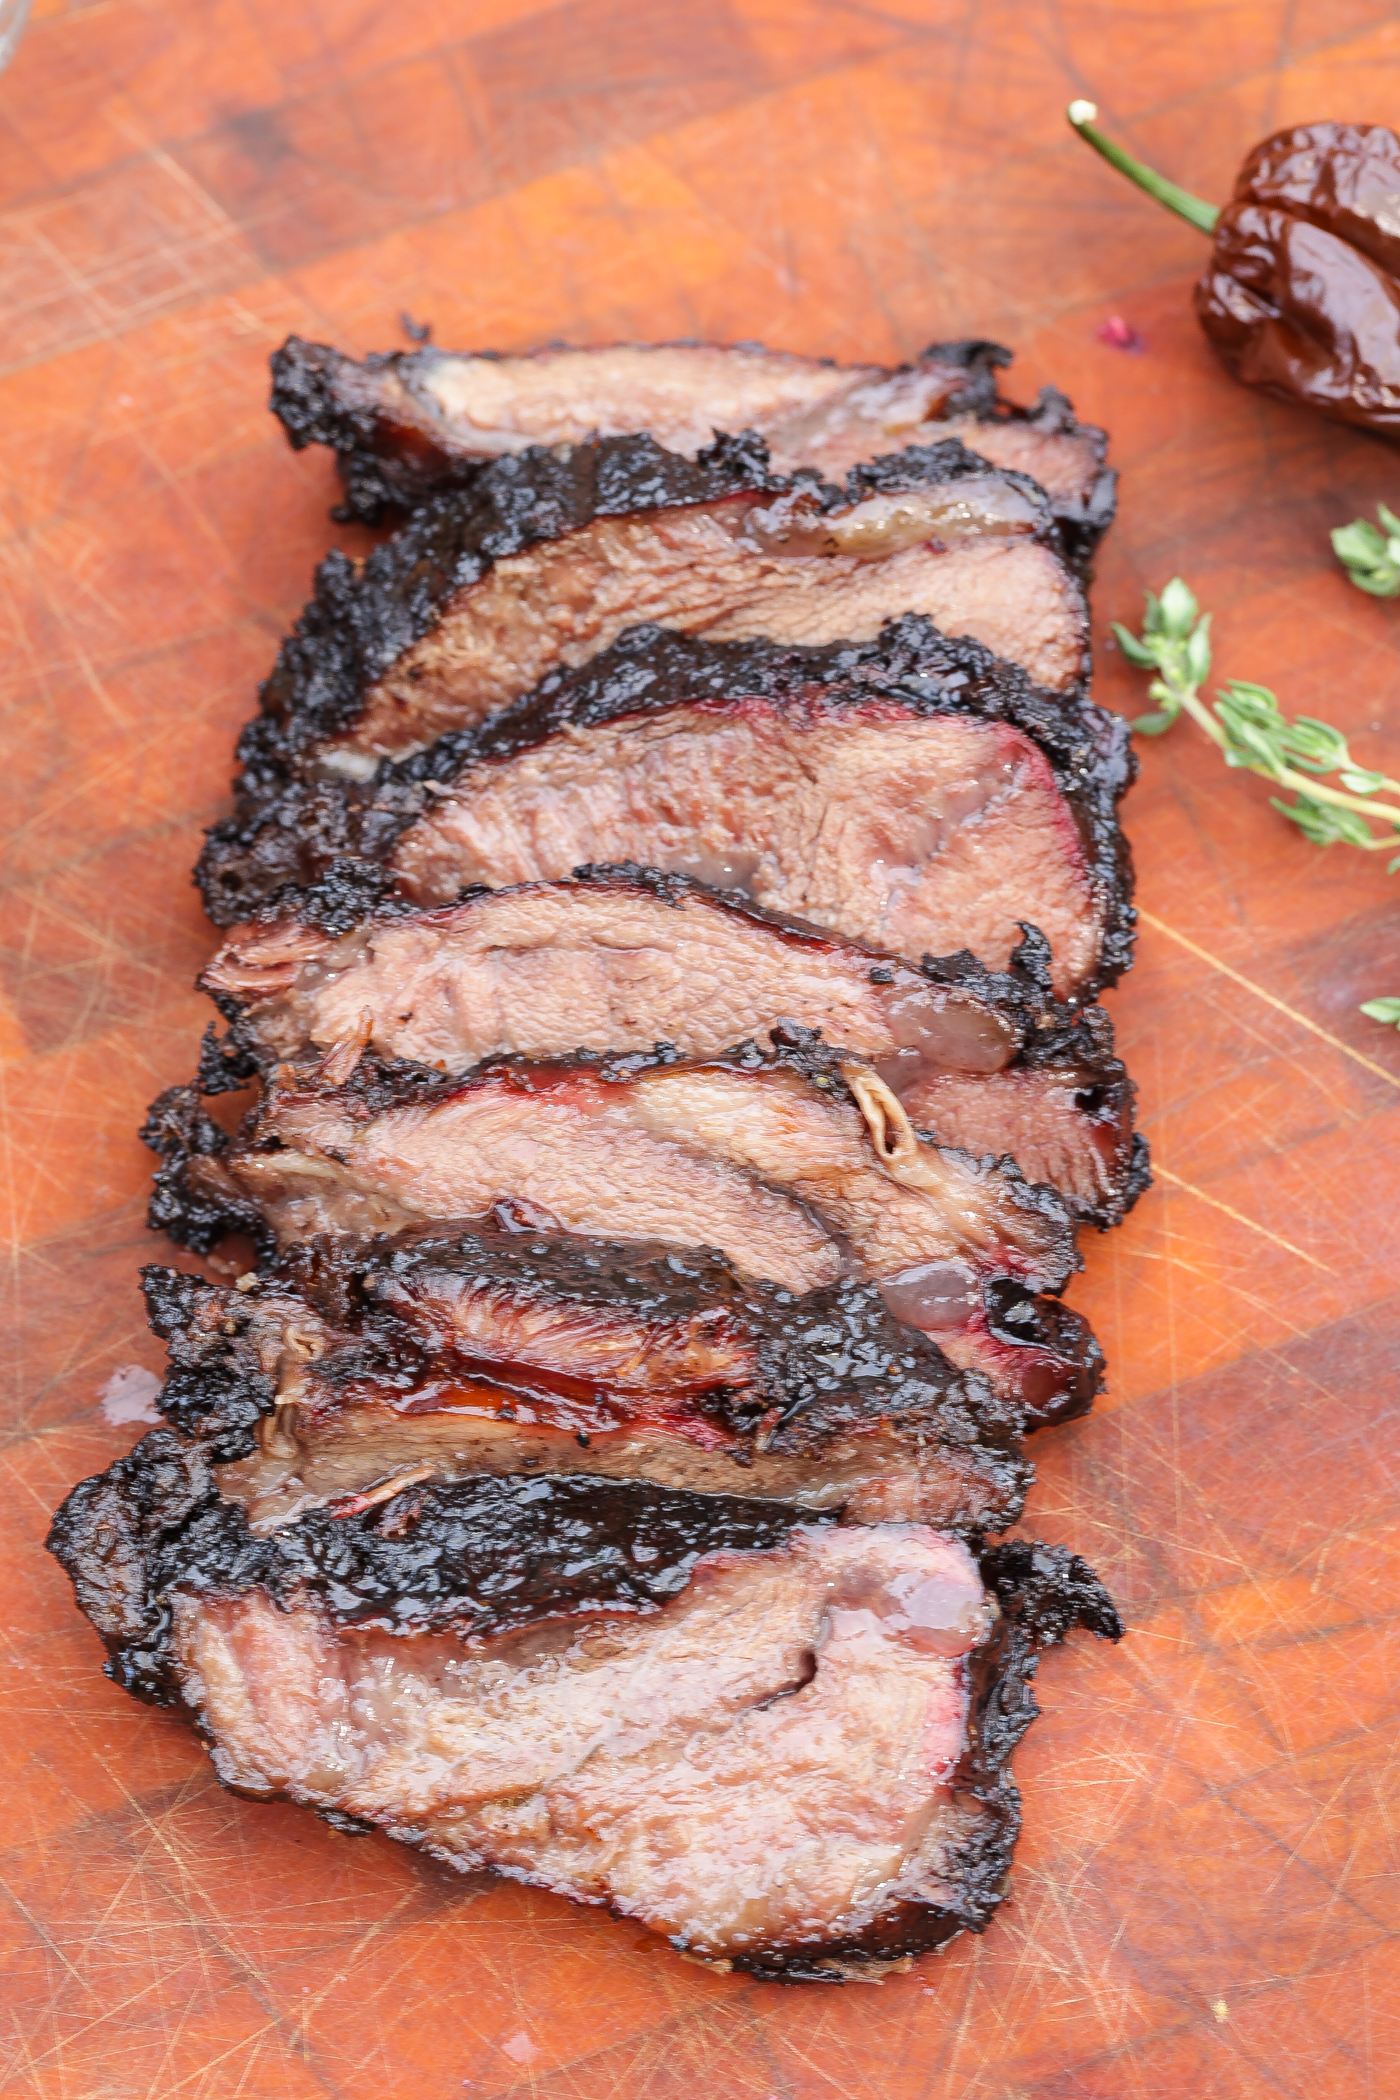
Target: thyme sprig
{"points": [[1370, 558], [1252, 732]]}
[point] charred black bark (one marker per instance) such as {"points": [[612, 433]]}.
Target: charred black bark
{"points": [[362, 616], [808, 1367], [477, 1557], [390, 463], [1045, 1593], [299, 847], [487, 1556], [193, 1198]]}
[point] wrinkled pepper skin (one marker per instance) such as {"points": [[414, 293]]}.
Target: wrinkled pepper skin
{"points": [[1302, 294]]}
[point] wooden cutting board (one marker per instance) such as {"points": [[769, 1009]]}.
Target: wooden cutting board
{"points": [[1205, 1901]]}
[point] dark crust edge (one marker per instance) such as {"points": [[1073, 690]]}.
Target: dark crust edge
{"points": [[195, 1212], [829, 1360], [1044, 1593], [386, 468], [141, 1508], [320, 851], [362, 618], [1051, 1032], [196, 1205]]}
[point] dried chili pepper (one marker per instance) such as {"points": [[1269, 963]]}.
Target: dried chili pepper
{"points": [[1301, 296]]}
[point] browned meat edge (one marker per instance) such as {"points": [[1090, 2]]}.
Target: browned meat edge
{"points": [[349, 1351], [250, 981], [797, 1065], [1029, 1345], [153, 1524], [362, 619], [320, 849], [388, 463]]}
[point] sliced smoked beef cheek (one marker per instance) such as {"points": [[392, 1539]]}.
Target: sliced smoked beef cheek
{"points": [[792, 1760], [460, 1352], [626, 959], [799, 1166], [914, 833], [913, 794], [405, 425], [548, 559], [798, 1162]]}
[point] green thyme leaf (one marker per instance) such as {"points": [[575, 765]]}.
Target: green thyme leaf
{"points": [[1387, 1010], [1136, 652], [1371, 559], [1178, 610], [1154, 725], [1249, 728], [1358, 542], [1379, 583], [1324, 825], [1317, 745]]}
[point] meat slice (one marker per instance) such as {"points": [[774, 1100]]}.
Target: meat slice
{"points": [[799, 1163], [547, 559], [792, 1761], [914, 796], [410, 423], [799, 1166], [629, 958], [914, 833], [463, 1352]]}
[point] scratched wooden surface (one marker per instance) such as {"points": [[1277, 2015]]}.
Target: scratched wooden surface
{"points": [[1206, 1900]]}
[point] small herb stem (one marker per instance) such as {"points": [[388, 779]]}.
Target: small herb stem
{"points": [[1317, 791], [1194, 210], [1248, 729], [1251, 731], [1201, 715]]}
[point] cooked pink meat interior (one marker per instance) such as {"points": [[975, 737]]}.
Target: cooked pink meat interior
{"points": [[919, 834], [550, 968], [464, 1352], [793, 1179], [782, 1171], [1053, 1120], [923, 739], [357, 1457], [768, 1761], [780, 1743], [622, 963], [681, 392], [430, 410], [741, 568]]}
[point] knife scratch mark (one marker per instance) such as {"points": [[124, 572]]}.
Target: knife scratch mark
{"points": [[1166, 1174], [1279, 1005]]}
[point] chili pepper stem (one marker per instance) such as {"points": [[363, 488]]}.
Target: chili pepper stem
{"points": [[1194, 210]]}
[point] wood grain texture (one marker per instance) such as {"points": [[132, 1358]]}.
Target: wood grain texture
{"points": [[1206, 1900]]}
